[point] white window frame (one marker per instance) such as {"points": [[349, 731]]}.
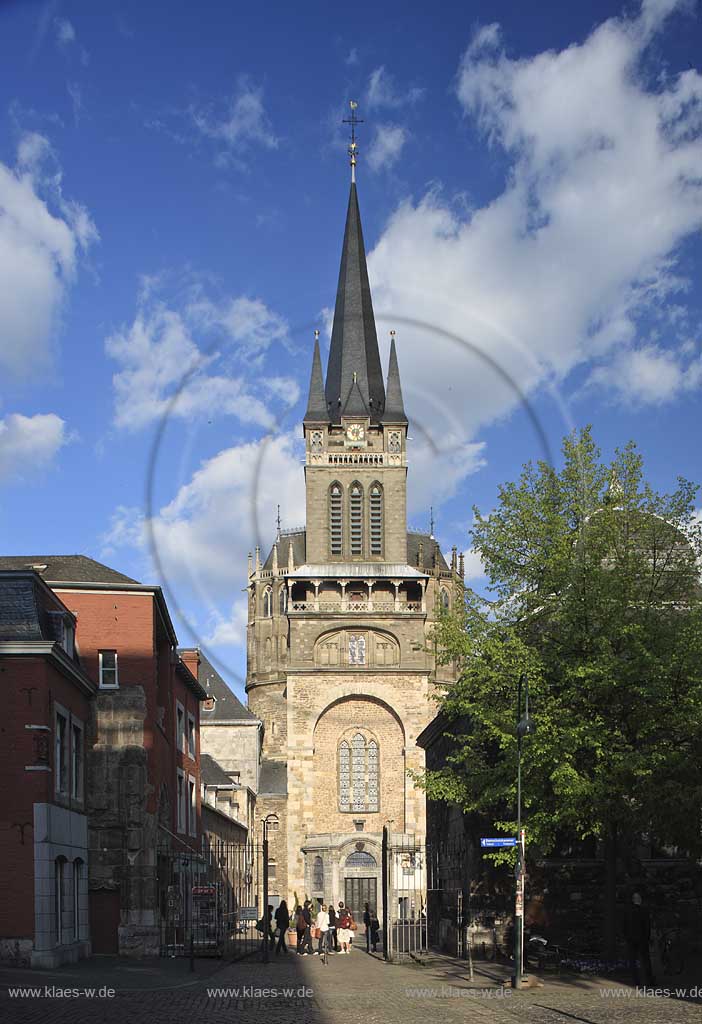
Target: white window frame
{"points": [[180, 727], [62, 757], [192, 735], [192, 805], [181, 805], [77, 790], [103, 685]]}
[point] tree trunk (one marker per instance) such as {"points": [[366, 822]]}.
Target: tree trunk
{"points": [[610, 891]]}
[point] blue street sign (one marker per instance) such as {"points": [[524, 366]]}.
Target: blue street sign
{"points": [[498, 842]]}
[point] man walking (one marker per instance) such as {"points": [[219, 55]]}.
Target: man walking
{"points": [[637, 932], [367, 923]]}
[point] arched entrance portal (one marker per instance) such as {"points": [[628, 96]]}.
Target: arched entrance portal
{"points": [[360, 883]]}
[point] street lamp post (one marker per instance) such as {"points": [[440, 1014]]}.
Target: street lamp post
{"points": [[525, 727], [264, 917]]}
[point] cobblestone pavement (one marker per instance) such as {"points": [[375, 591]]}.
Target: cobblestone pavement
{"points": [[348, 988]]}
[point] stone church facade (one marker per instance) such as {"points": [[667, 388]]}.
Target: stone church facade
{"points": [[340, 663]]}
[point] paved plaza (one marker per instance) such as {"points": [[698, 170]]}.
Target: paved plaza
{"points": [[294, 989]]}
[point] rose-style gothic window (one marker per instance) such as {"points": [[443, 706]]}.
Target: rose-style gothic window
{"points": [[395, 441]]}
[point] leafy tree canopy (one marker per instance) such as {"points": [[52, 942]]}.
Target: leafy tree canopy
{"points": [[596, 579]]}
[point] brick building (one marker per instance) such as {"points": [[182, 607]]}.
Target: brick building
{"points": [[339, 659], [142, 789], [47, 699]]}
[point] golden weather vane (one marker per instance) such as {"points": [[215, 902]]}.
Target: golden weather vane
{"points": [[353, 120]]}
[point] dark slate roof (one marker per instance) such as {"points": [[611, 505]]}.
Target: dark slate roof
{"points": [[298, 539], [228, 707], [394, 405], [354, 342], [66, 568], [316, 401], [430, 545], [273, 779], [21, 615], [212, 773], [355, 404]]}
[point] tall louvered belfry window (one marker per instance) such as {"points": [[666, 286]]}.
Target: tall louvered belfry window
{"points": [[359, 764], [376, 520], [336, 531], [356, 519]]}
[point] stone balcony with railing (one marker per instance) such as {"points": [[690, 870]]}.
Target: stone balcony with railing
{"points": [[356, 607]]}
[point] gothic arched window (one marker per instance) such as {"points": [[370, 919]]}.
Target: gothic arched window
{"points": [[318, 875], [267, 602], [356, 518], [359, 764], [283, 600], [336, 531], [376, 520], [444, 599]]}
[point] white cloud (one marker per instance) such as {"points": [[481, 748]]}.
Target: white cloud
{"points": [[387, 145], [603, 185], [648, 375], [474, 568], [65, 32], [29, 443], [163, 369], [41, 237], [382, 91], [241, 124]]}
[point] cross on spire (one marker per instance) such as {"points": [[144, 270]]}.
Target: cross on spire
{"points": [[353, 120]]}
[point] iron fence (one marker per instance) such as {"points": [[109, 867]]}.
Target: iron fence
{"points": [[210, 902]]}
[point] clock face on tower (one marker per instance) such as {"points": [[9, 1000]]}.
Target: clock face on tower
{"points": [[355, 432]]}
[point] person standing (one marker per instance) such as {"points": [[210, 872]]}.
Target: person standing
{"points": [[282, 920], [307, 939], [300, 926], [375, 930], [322, 923], [367, 923], [344, 919], [333, 940], [637, 932]]}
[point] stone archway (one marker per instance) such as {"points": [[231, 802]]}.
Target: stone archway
{"points": [[337, 727]]}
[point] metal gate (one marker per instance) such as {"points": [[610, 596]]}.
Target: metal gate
{"points": [[404, 896], [210, 902]]}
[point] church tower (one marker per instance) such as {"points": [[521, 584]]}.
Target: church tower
{"points": [[340, 663]]}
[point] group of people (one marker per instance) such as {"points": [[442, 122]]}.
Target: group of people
{"points": [[333, 927]]}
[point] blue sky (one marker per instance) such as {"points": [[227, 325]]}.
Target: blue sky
{"points": [[173, 184]]}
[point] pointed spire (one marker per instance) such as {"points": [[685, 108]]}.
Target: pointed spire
{"points": [[354, 342], [394, 405], [316, 403], [291, 557], [354, 404], [275, 559]]}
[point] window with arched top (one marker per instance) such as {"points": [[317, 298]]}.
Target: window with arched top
{"points": [[336, 528], [318, 875], [267, 653], [356, 518], [445, 602], [361, 859], [359, 770], [376, 519], [60, 883], [283, 600], [267, 602]]}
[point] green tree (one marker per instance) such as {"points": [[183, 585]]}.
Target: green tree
{"points": [[597, 598]]}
